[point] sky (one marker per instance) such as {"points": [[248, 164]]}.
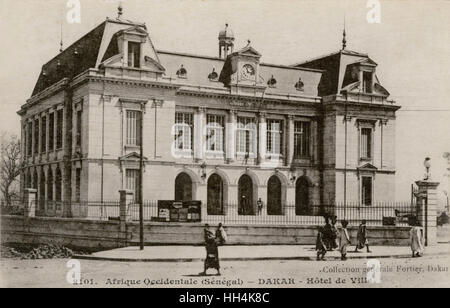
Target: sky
{"points": [[411, 45]]}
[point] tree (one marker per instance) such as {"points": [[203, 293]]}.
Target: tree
{"points": [[10, 167]]}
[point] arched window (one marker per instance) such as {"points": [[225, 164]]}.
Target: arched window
{"points": [[50, 185], [215, 195], [245, 195], [274, 206], [302, 196], [58, 185], [183, 187]]}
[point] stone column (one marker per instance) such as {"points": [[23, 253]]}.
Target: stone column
{"points": [[230, 136], [262, 132], [198, 133], [30, 202], [290, 140], [427, 204]]}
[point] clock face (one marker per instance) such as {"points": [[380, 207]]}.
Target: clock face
{"points": [[248, 71]]}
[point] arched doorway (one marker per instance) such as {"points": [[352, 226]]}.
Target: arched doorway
{"points": [[215, 195], [245, 196], [302, 196], [183, 187], [274, 199]]}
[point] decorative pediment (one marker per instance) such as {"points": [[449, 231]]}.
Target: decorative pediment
{"points": [[368, 167], [368, 62], [133, 156], [134, 30], [249, 51]]}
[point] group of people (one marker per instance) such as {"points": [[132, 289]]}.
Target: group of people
{"points": [[330, 238], [212, 241]]}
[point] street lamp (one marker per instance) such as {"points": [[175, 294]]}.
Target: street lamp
{"points": [[427, 165]]}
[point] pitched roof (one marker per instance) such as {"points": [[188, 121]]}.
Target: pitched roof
{"points": [[199, 67], [74, 60], [87, 52], [336, 66]]}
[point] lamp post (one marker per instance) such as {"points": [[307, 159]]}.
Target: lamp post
{"points": [[141, 177], [427, 165]]}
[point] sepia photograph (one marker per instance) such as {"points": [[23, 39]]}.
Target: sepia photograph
{"points": [[224, 149]]}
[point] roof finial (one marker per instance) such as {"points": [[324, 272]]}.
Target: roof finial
{"points": [[249, 42], [120, 10], [344, 40]]}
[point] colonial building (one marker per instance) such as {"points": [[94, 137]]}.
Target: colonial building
{"points": [[223, 130]]}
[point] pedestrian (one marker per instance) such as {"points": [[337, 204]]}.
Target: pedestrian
{"points": [[221, 235], [320, 245], [208, 234], [344, 240], [362, 237], [334, 234], [259, 203], [328, 233], [212, 252], [417, 240]]}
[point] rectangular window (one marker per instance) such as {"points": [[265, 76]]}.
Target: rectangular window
{"points": [[367, 82], [36, 136], [134, 54], [78, 185], [30, 138], [44, 134], [132, 182], [133, 128], [366, 143], [246, 136], [215, 132], [302, 139], [59, 129], [274, 137], [79, 128], [366, 190], [183, 131], [51, 132]]}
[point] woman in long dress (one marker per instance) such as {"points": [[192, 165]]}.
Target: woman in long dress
{"points": [[344, 240], [417, 240]]}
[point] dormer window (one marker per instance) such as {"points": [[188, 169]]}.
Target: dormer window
{"points": [[134, 54], [299, 86], [367, 82], [213, 75], [272, 83], [182, 72]]}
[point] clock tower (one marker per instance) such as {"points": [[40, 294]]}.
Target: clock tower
{"points": [[241, 71]]}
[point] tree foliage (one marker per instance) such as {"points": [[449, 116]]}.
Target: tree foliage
{"points": [[10, 166]]}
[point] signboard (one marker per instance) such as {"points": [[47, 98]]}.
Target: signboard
{"points": [[177, 211]]}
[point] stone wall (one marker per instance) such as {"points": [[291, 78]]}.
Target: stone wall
{"points": [[98, 235]]}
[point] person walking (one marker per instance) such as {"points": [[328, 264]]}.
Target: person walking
{"points": [[334, 235], [344, 240], [417, 240], [328, 234], [362, 237], [320, 245], [212, 252], [221, 235]]}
